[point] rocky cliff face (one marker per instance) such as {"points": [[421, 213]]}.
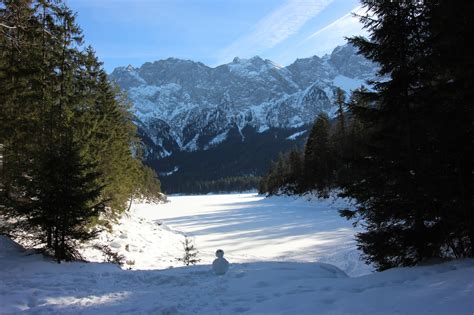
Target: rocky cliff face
{"points": [[186, 106]]}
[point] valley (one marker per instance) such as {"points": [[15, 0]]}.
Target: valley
{"points": [[202, 122]]}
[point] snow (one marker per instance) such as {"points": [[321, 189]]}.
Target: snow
{"points": [[219, 138], [174, 170], [192, 144], [252, 228], [348, 84], [253, 93], [263, 128], [133, 72], [287, 256], [145, 243], [253, 67], [165, 153], [220, 265], [296, 135], [144, 100], [295, 122]]}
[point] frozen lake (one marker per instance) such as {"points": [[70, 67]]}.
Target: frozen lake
{"points": [[251, 228]]}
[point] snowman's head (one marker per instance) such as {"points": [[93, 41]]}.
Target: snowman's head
{"points": [[220, 253]]}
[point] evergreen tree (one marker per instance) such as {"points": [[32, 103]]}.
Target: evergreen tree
{"points": [[65, 199], [19, 74], [338, 139], [150, 187], [349, 138], [318, 165], [449, 90], [341, 103], [190, 253], [407, 183], [68, 145], [295, 172]]}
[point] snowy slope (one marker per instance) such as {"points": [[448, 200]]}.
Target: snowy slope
{"points": [[254, 233]]}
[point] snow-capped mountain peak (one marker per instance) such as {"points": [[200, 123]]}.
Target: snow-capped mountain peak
{"points": [[186, 105]]}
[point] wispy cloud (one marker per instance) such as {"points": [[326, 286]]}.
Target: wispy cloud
{"points": [[325, 39], [333, 34], [345, 25], [274, 28]]}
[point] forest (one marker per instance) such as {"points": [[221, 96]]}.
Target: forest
{"points": [[401, 150], [70, 160]]}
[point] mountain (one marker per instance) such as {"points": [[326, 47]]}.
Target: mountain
{"points": [[238, 115]]}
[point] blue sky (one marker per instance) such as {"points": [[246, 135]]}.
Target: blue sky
{"points": [[213, 32]]}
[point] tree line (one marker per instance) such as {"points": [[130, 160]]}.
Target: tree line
{"points": [[402, 150], [221, 185], [324, 162], [69, 155]]}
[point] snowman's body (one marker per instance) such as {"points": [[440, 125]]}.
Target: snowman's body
{"points": [[220, 265]]}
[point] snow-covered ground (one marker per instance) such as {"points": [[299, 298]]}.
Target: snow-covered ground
{"points": [[288, 256], [247, 227]]}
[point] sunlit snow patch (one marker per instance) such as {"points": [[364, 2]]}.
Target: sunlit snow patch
{"points": [[296, 135], [348, 84], [174, 170]]}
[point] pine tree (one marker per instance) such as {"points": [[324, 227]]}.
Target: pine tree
{"points": [[295, 172], [450, 91], [190, 253], [68, 144], [19, 75], [66, 199], [406, 182], [150, 187], [341, 119], [339, 140], [318, 165]]}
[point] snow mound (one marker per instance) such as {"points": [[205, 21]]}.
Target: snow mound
{"points": [[145, 243]]}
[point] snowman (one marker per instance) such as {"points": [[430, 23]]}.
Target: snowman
{"points": [[220, 265]]}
